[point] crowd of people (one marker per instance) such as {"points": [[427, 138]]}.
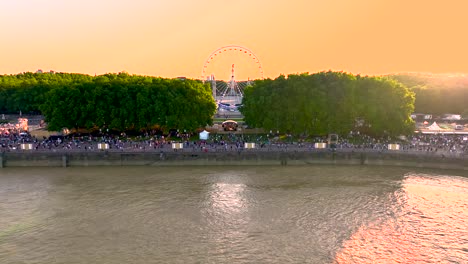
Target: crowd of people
{"points": [[15, 139]]}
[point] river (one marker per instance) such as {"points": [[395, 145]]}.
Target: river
{"points": [[310, 214]]}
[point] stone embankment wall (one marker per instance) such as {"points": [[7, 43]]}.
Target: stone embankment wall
{"points": [[244, 158]]}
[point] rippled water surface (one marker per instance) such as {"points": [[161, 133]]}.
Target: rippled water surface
{"points": [[233, 215]]}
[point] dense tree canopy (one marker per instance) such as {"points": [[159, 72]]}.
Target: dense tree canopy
{"points": [[329, 102], [114, 101], [26, 92], [302, 103]]}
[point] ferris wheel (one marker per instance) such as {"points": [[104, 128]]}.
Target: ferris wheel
{"points": [[229, 69]]}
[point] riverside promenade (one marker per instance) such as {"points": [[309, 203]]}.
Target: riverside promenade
{"points": [[244, 157]]}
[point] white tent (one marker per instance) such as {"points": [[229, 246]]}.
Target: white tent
{"points": [[434, 126], [204, 135]]}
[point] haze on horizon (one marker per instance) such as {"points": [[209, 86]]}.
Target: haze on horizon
{"points": [[174, 38]]}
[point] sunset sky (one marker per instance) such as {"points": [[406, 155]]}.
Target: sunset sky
{"points": [[171, 38]]}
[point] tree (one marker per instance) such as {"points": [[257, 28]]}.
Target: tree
{"points": [[129, 102], [328, 102]]}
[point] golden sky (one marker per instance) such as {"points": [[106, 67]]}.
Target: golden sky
{"points": [[171, 38]]}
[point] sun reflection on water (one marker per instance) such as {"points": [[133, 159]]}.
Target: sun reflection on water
{"points": [[228, 197], [428, 225]]}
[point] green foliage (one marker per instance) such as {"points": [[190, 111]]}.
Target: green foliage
{"points": [[26, 92], [329, 102], [112, 101]]}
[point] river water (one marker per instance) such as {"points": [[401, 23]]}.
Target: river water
{"points": [[313, 214]]}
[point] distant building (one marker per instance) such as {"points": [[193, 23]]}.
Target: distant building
{"points": [[420, 117], [451, 117], [39, 71]]}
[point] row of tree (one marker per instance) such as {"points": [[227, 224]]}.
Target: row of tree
{"points": [[113, 101], [435, 94], [313, 104], [329, 102]]}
